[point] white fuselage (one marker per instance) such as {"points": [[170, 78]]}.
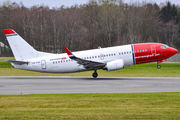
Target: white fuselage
{"points": [[61, 63]]}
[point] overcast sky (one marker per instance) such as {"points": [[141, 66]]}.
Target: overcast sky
{"points": [[57, 3]]}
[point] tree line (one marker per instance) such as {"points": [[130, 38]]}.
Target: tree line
{"points": [[102, 23]]}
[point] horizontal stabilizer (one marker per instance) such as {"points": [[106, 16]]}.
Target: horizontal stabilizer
{"points": [[17, 62]]}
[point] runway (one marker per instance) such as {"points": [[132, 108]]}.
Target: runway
{"points": [[46, 85]]}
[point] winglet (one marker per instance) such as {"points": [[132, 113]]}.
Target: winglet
{"points": [[70, 53]]}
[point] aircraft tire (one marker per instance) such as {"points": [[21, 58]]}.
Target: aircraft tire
{"points": [[95, 75], [158, 66]]}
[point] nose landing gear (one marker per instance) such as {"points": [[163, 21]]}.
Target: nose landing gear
{"points": [[95, 74], [158, 66]]}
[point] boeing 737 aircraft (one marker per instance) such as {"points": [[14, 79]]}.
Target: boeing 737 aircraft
{"points": [[111, 58]]}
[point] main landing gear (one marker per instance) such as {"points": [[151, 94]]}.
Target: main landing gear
{"points": [[95, 74]]}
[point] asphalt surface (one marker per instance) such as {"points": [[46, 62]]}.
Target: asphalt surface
{"points": [[46, 85]]}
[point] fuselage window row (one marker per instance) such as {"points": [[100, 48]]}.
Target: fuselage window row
{"points": [[140, 51], [92, 57]]}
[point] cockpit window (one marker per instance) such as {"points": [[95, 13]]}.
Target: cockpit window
{"points": [[164, 47]]}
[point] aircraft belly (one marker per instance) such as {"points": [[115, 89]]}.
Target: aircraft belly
{"points": [[28, 67], [63, 68]]}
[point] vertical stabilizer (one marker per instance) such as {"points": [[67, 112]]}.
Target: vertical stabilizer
{"points": [[20, 48]]}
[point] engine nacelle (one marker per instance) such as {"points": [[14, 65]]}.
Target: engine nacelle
{"points": [[115, 65]]}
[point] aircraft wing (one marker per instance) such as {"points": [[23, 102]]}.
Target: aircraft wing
{"points": [[88, 64]]}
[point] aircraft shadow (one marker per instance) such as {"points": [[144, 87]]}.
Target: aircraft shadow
{"points": [[83, 78]]}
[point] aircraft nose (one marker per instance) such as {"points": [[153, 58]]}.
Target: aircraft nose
{"points": [[174, 51]]}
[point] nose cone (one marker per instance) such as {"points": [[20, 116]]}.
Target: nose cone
{"points": [[173, 51]]}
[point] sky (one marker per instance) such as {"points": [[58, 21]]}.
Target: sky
{"points": [[68, 3]]}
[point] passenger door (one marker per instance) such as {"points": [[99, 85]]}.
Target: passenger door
{"points": [[153, 49], [43, 64]]}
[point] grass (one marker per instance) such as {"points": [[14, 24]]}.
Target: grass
{"points": [[141, 70], [4, 64], [127, 106]]}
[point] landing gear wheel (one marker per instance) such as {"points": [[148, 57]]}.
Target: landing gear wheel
{"points": [[95, 74], [158, 66]]}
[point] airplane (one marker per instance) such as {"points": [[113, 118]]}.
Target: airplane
{"points": [[110, 58]]}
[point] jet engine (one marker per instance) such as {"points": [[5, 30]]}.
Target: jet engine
{"points": [[114, 65]]}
